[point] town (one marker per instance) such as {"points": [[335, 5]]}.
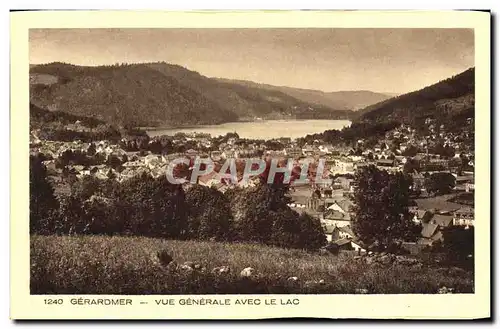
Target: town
{"points": [[440, 163]]}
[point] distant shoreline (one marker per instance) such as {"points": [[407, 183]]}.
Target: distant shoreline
{"points": [[172, 127]]}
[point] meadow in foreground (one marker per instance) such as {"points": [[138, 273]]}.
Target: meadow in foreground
{"points": [[130, 265]]}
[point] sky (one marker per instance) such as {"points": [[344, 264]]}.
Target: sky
{"points": [[380, 60]]}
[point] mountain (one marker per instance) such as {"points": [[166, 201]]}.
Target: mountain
{"points": [[160, 94], [340, 100], [246, 101], [450, 100], [121, 94]]}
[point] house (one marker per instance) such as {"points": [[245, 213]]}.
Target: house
{"points": [[343, 205], [469, 187], [209, 179], [418, 180], [428, 230], [344, 182], [250, 182], [418, 214], [464, 183], [216, 155], [464, 179], [401, 159], [441, 220], [464, 217], [231, 141], [34, 140], [345, 232], [335, 218], [343, 244], [430, 234], [439, 162], [50, 165], [313, 203], [191, 153], [421, 158], [342, 166], [227, 179], [308, 150], [228, 153], [355, 158], [360, 165], [334, 233], [326, 148], [152, 159], [170, 157], [350, 244], [386, 163], [329, 232], [246, 153], [327, 193]]}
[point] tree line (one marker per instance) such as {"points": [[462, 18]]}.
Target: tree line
{"points": [[148, 206]]}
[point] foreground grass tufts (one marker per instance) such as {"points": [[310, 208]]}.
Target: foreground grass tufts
{"points": [[137, 265]]}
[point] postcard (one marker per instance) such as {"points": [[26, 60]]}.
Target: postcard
{"points": [[250, 165]]}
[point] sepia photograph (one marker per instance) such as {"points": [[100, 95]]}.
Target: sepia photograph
{"points": [[259, 161]]}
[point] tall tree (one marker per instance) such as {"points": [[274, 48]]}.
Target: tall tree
{"points": [[440, 183], [209, 214], [380, 209], [459, 242], [154, 207], [43, 203], [312, 235], [411, 151], [261, 214]]}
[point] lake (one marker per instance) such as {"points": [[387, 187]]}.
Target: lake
{"points": [[264, 129]]}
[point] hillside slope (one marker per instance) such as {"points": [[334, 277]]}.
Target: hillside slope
{"points": [[40, 118], [125, 94], [161, 94], [63, 126], [249, 102], [446, 100], [339, 100]]}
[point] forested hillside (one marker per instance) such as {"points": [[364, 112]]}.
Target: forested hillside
{"points": [[124, 94], [450, 100], [161, 94], [349, 100]]}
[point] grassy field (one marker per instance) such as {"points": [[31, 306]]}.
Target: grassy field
{"points": [[129, 265]]}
